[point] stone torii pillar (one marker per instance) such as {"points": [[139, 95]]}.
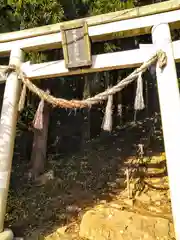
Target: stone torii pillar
{"points": [[7, 135], [169, 98]]}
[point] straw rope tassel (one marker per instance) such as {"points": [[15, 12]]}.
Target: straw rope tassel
{"points": [[22, 98], [38, 118], [107, 121], [139, 100]]}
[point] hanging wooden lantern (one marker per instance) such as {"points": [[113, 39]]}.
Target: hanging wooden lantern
{"points": [[76, 45]]}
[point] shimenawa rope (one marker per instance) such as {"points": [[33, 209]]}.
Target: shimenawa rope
{"points": [[159, 57]]}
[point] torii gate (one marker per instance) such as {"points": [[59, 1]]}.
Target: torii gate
{"points": [[157, 20]]}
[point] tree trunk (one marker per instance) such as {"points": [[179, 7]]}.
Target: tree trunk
{"points": [[86, 129], [119, 109], [118, 100]]}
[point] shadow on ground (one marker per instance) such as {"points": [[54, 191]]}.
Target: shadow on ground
{"points": [[81, 180]]}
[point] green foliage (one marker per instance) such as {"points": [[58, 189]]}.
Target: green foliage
{"points": [[106, 6], [25, 119], [110, 47], [7, 18], [32, 13], [23, 14]]}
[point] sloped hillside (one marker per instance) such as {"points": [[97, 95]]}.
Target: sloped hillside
{"points": [[115, 188]]}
